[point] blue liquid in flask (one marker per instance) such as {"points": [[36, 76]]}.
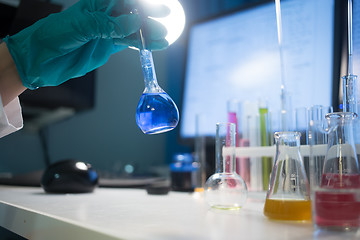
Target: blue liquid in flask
{"points": [[156, 113]]}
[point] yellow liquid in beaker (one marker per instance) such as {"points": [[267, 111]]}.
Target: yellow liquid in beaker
{"points": [[293, 210]]}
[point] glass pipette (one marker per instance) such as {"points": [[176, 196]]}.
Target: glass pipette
{"points": [[283, 93], [350, 42], [350, 80]]}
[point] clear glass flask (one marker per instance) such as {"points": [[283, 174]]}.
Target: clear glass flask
{"points": [[288, 196], [225, 189], [156, 111], [335, 183]]}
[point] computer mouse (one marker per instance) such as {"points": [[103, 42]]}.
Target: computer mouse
{"points": [[69, 176]]}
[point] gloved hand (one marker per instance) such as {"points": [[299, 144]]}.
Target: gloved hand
{"points": [[76, 41]]}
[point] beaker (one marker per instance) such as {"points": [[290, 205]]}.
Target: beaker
{"points": [[335, 184], [288, 196], [225, 189]]}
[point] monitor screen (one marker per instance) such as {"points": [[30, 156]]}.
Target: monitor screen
{"points": [[237, 56], [356, 37]]}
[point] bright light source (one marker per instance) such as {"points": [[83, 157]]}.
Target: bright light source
{"points": [[174, 22]]}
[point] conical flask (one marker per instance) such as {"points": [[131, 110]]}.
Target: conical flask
{"points": [[225, 189], [340, 159], [288, 196], [336, 185]]}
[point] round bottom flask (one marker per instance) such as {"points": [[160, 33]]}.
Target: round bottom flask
{"points": [[156, 111], [225, 189]]}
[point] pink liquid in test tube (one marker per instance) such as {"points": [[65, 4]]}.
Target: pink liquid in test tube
{"points": [[242, 163]]}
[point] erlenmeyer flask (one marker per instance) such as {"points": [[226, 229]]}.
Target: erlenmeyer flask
{"points": [[156, 111], [225, 189], [340, 160], [288, 196], [336, 185]]}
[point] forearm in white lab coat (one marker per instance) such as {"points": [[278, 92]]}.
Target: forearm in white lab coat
{"points": [[10, 117]]}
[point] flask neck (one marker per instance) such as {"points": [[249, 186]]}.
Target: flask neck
{"points": [[341, 129], [225, 147], [341, 157], [287, 139], [147, 65], [288, 143], [228, 164], [225, 160]]}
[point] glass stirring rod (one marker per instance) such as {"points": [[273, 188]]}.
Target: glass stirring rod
{"points": [[156, 111]]}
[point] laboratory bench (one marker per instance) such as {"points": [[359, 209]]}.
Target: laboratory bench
{"points": [[123, 213]]}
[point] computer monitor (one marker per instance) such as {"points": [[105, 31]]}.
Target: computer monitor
{"points": [[356, 37], [236, 56]]}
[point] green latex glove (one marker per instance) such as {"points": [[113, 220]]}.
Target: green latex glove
{"points": [[78, 40]]}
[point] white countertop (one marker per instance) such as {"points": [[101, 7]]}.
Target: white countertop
{"points": [[109, 214]]}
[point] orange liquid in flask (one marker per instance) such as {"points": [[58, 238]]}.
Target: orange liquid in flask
{"points": [[294, 210]]}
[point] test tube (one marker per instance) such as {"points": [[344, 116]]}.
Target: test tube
{"points": [[265, 139], [251, 132], [233, 112], [302, 124], [200, 151]]}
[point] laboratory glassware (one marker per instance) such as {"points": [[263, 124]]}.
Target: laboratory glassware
{"points": [[265, 138], [156, 111], [302, 123], [335, 183], [350, 93], [233, 116], [285, 98], [252, 134], [317, 115], [288, 196], [302, 126], [225, 189], [242, 164], [200, 151]]}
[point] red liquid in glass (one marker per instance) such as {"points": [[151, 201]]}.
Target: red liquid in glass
{"points": [[338, 208]]}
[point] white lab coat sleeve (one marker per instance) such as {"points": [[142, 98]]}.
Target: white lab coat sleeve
{"points": [[10, 117]]}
